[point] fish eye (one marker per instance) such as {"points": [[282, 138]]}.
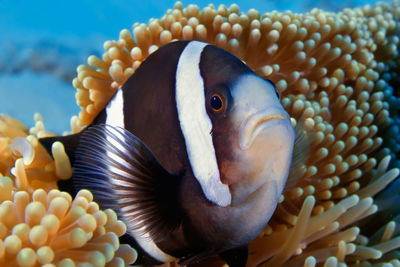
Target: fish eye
{"points": [[216, 103]]}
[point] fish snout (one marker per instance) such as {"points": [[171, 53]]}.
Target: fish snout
{"points": [[258, 122], [265, 141]]}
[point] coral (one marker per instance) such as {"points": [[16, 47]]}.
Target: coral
{"points": [[338, 77], [39, 225]]}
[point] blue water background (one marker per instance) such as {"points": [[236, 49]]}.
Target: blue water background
{"points": [[42, 43]]}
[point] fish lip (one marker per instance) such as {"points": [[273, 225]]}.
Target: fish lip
{"points": [[252, 125]]}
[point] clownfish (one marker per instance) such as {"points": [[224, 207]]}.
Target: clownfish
{"points": [[192, 152]]}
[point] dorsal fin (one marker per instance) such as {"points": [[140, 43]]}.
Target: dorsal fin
{"points": [[70, 143], [123, 174]]}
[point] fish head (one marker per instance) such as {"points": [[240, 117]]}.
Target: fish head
{"points": [[261, 151], [252, 133]]}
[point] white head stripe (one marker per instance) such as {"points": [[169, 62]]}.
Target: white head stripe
{"points": [[196, 125], [115, 110]]}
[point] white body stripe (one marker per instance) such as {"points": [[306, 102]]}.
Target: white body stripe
{"points": [[196, 126], [115, 117], [115, 110], [148, 245]]}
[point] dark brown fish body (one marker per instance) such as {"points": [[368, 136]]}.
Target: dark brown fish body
{"points": [[192, 153]]}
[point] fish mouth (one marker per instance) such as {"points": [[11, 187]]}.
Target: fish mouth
{"points": [[253, 125]]}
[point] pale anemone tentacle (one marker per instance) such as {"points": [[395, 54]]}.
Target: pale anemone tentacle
{"points": [[337, 74], [22, 146]]}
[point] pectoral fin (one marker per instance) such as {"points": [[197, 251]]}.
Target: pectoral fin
{"points": [[123, 174]]}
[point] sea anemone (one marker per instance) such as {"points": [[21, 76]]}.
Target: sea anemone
{"points": [[39, 225], [337, 74], [338, 77]]}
